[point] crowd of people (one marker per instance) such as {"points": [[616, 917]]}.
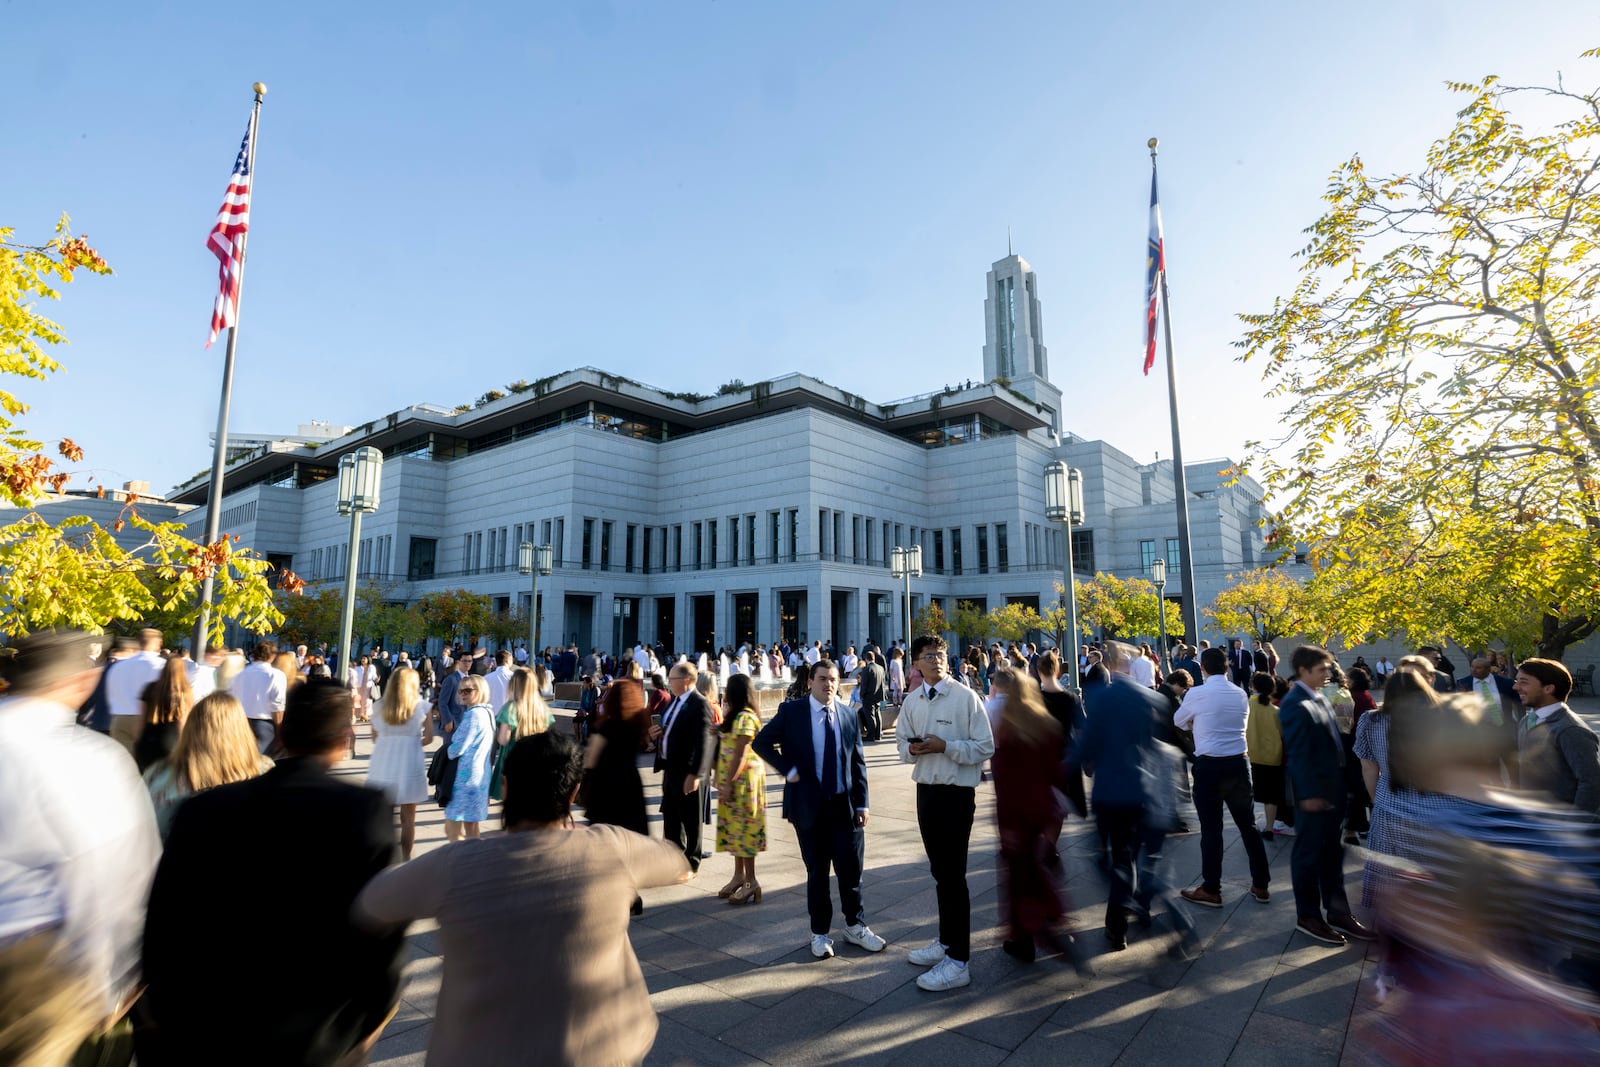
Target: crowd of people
{"points": [[186, 806]]}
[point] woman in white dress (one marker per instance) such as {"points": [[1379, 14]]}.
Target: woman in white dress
{"points": [[402, 728], [360, 682]]}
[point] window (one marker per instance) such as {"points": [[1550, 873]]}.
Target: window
{"points": [[1083, 551], [628, 548], [750, 539], [822, 534], [588, 544], [772, 545], [605, 546], [545, 527], [677, 547], [955, 550], [938, 551], [466, 553], [699, 545], [649, 548], [733, 540], [983, 549], [838, 532], [1173, 567], [477, 552], [794, 533], [711, 556], [855, 539], [1002, 551], [868, 543], [561, 539], [1147, 555]]}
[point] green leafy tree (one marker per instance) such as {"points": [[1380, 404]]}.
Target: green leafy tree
{"points": [[1440, 363], [970, 622], [1013, 622], [75, 573], [930, 619], [310, 616], [1265, 603], [1123, 607], [455, 613]]}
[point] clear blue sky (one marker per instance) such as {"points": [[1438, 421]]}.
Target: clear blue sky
{"points": [[687, 192]]}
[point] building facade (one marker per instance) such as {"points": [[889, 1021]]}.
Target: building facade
{"points": [[766, 511]]}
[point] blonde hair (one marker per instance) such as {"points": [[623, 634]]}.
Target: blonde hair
{"points": [[475, 686], [216, 746], [523, 694], [400, 697], [1023, 715], [290, 666]]}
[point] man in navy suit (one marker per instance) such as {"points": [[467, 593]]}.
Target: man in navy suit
{"points": [[683, 755], [1313, 766], [1502, 709], [816, 745]]}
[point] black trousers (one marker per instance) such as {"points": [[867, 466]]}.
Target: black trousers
{"points": [[680, 818], [1120, 828], [1316, 866], [1220, 781], [834, 840], [871, 722], [944, 815]]}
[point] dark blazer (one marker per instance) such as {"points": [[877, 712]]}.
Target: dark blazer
{"points": [[869, 683], [1561, 756], [1121, 721], [1508, 693], [1312, 749], [689, 750], [785, 743], [450, 708], [250, 953]]}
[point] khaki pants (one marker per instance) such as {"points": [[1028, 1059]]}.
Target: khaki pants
{"points": [[125, 730]]}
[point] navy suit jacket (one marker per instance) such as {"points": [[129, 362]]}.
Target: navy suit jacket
{"points": [[1119, 730], [1312, 752], [1508, 694], [689, 750], [785, 743]]}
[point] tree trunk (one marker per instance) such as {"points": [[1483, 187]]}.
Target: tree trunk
{"points": [[1556, 634]]}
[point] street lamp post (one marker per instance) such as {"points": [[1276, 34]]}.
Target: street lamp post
{"points": [[1158, 575], [906, 563], [621, 608], [534, 560], [360, 475], [1063, 503]]}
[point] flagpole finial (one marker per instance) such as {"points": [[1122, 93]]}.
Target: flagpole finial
{"points": [[1152, 143], [260, 88]]}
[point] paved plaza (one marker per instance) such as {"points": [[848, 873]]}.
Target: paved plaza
{"points": [[738, 985]]}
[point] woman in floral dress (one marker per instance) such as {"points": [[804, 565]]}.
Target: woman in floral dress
{"points": [[741, 791]]}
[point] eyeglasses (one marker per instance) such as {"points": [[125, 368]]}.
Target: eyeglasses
{"points": [[932, 657]]}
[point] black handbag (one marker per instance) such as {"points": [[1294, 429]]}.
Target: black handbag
{"points": [[442, 775]]}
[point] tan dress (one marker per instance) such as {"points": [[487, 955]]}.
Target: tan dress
{"points": [[533, 928]]}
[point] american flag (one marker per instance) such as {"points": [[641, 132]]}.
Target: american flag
{"points": [[1155, 266], [226, 240]]}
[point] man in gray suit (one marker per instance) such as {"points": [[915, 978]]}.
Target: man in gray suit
{"points": [[1558, 753]]}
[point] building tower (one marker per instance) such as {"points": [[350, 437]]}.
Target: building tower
{"points": [[1014, 335]]}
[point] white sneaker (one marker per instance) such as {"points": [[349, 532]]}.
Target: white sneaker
{"points": [[946, 974], [862, 935], [1279, 828], [821, 946], [928, 955]]}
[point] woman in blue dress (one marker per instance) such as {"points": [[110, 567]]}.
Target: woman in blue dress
{"points": [[471, 745]]}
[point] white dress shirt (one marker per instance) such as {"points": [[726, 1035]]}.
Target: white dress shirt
{"points": [[819, 740], [1216, 712], [202, 679], [499, 681], [1142, 671], [261, 688], [126, 679]]}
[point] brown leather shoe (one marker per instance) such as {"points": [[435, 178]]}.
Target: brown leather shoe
{"points": [[1202, 896], [1351, 927], [1260, 894], [1314, 927]]}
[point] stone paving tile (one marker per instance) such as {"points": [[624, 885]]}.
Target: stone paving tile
{"points": [[407, 1048], [703, 1008], [680, 1046], [1162, 1043], [1273, 1041], [1052, 1046], [944, 1047], [1112, 1012], [1319, 991], [787, 1032]]}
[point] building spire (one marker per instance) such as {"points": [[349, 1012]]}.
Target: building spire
{"points": [[1009, 252]]}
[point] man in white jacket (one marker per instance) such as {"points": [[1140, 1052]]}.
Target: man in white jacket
{"points": [[944, 731]]}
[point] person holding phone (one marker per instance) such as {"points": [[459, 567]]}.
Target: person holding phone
{"points": [[944, 731]]}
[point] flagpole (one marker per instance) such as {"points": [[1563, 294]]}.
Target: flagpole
{"points": [[1180, 486], [219, 454]]}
